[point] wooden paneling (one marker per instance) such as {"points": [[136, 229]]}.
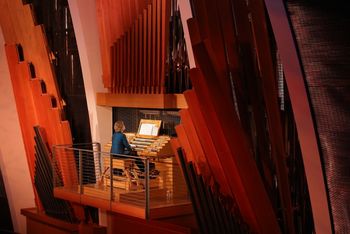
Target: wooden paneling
{"points": [[124, 224], [38, 223]]}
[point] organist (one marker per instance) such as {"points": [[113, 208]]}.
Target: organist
{"points": [[121, 146]]}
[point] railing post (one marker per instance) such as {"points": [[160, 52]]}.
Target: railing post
{"points": [[99, 159], [111, 176], [80, 171], [147, 189]]}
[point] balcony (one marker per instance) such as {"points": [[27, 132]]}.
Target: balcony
{"points": [[143, 187]]}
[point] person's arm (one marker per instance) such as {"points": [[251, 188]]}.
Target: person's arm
{"points": [[126, 143]]}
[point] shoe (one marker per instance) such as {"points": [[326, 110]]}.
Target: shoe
{"points": [[154, 172]]}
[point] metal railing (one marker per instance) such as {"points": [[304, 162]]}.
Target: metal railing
{"points": [[121, 181]]}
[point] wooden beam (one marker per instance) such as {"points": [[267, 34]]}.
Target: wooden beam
{"points": [[176, 101]]}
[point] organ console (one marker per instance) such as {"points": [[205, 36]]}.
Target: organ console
{"points": [[146, 143]]}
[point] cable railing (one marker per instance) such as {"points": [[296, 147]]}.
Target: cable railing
{"points": [[145, 187]]}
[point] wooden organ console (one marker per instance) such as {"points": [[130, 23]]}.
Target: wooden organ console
{"points": [[145, 143]]}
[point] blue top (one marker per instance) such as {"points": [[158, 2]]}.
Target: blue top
{"points": [[119, 143]]}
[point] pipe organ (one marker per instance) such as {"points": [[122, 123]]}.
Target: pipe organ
{"points": [[149, 56]]}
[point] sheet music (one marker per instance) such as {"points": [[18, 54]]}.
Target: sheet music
{"points": [[154, 131], [146, 129]]}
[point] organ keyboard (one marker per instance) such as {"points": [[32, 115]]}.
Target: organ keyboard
{"points": [[155, 146], [146, 141]]}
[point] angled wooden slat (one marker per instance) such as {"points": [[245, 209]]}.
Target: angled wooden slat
{"points": [[18, 27], [66, 161], [42, 102], [7, 26], [200, 12], [270, 91], [196, 146], [228, 25], [185, 144], [206, 140], [237, 146], [20, 78], [215, 126]]}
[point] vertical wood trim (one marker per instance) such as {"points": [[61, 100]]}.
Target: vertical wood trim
{"points": [[144, 71], [132, 58], [124, 44], [154, 46], [140, 57], [159, 43], [165, 32], [136, 55], [149, 47], [113, 67]]}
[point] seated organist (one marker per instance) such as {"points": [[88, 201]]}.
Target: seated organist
{"points": [[121, 146]]}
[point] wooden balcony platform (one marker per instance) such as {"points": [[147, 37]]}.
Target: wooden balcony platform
{"points": [[127, 202]]}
